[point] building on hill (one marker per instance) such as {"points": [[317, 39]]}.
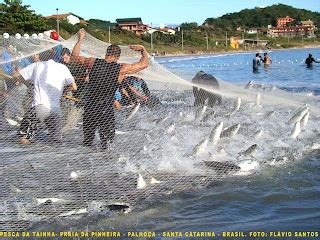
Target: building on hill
{"points": [[167, 30], [307, 23], [134, 25], [252, 31], [70, 17], [292, 31], [281, 22], [304, 28], [256, 30]]}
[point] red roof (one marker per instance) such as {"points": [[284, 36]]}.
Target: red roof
{"points": [[59, 16], [83, 22]]}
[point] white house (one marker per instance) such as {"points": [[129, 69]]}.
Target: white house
{"points": [[252, 31], [70, 17]]}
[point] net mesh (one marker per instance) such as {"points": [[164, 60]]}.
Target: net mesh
{"points": [[171, 134]]}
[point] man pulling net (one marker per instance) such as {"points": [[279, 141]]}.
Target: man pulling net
{"points": [[48, 78], [105, 75], [133, 90]]}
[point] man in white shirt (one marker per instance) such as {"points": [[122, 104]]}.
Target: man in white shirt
{"points": [[48, 79]]}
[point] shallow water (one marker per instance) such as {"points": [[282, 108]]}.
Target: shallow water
{"points": [[287, 70], [276, 196]]}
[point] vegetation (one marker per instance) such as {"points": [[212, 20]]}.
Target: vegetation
{"points": [[260, 17], [17, 18]]}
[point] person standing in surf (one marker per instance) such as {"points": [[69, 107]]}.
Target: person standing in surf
{"points": [[105, 75], [256, 62], [310, 60], [266, 59]]}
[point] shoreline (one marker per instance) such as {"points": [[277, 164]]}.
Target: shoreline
{"points": [[231, 51]]}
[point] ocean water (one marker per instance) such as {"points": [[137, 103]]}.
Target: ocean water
{"points": [[281, 197], [286, 198], [287, 70]]}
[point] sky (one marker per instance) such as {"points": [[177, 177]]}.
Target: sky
{"points": [[160, 11]]}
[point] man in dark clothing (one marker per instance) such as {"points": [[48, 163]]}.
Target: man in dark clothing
{"points": [[79, 73], [310, 60], [134, 90], [256, 62], [105, 75]]}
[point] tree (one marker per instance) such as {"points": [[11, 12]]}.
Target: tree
{"points": [[189, 26], [16, 17]]}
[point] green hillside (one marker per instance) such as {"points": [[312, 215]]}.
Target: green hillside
{"points": [[260, 17]]}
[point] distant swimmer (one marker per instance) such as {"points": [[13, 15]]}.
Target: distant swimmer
{"points": [[256, 62], [310, 60], [266, 59]]}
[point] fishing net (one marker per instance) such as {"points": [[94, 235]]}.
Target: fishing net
{"points": [[171, 134]]}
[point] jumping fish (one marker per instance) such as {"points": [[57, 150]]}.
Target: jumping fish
{"points": [[120, 132], [250, 151], [199, 148], [269, 114], [299, 115], [154, 181], [171, 128], [304, 120], [296, 130], [237, 105], [74, 212], [215, 133], [119, 206], [315, 146], [74, 175], [160, 120], [141, 184], [12, 122], [249, 85], [199, 115], [231, 131], [209, 115], [258, 133], [134, 111], [258, 98]]}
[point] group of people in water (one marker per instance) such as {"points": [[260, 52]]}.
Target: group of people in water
{"points": [[258, 60], [100, 84], [266, 61]]}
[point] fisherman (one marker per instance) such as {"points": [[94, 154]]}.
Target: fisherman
{"points": [[79, 73], [134, 90], [266, 59], [48, 78], [310, 60], [256, 62], [105, 75]]}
